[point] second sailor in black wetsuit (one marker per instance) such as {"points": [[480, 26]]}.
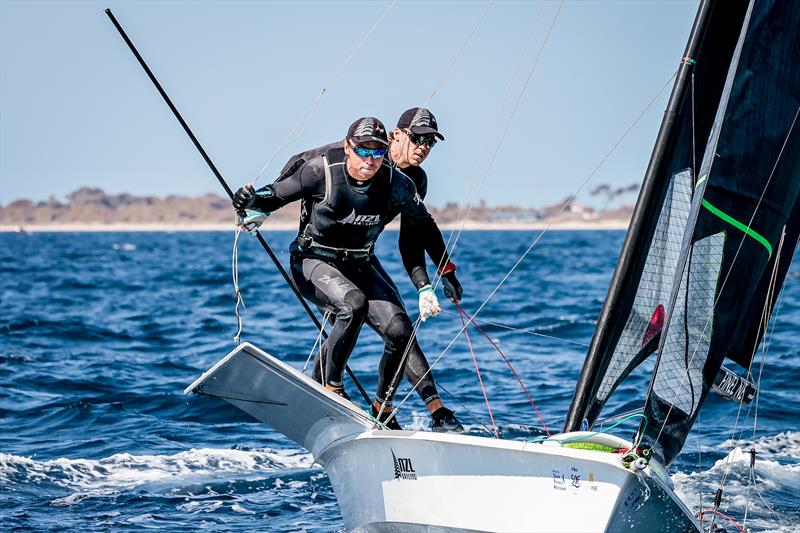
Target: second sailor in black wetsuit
{"points": [[349, 194], [411, 143]]}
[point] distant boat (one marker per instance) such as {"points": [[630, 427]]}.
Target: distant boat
{"points": [[699, 273]]}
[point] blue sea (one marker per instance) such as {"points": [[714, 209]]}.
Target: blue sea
{"points": [[101, 333]]}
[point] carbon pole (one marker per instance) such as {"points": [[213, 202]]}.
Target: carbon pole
{"points": [[228, 190]]}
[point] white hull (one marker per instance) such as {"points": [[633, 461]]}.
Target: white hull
{"points": [[411, 481]]}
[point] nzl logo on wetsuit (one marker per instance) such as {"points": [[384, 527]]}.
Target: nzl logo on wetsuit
{"points": [[403, 469], [361, 220]]}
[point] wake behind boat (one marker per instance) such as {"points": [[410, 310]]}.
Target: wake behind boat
{"points": [[387, 480]]}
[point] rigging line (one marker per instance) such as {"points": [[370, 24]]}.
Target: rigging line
{"points": [[765, 319], [499, 144], [730, 269], [462, 216], [478, 371], [467, 409], [458, 55], [317, 341], [519, 330], [553, 221], [755, 418], [519, 379], [305, 119]]}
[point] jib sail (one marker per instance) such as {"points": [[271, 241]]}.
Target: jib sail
{"points": [[742, 227], [629, 327]]}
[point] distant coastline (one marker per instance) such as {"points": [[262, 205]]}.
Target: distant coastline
{"points": [[93, 210], [468, 226]]}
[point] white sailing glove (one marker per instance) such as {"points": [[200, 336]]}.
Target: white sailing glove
{"points": [[252, 220], [428, 303]]}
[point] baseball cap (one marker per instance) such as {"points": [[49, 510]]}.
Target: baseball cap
{"points": [[368, 129], [419, 120]]}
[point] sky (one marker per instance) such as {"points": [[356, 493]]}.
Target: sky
{"points": [[528, 112]]}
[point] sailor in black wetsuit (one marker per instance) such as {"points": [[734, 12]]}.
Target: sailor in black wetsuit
{"points": [[349, 194], [411, 143]]}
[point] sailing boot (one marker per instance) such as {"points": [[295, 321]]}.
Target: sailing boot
{"points": [[391, 424], [338, 390], [443, 419]]}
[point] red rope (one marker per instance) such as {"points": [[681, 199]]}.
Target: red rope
{"points": [[701, 512], [509, 366], [475, 360]]}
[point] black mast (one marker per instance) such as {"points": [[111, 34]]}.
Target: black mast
{"points": [[635, 237], [228, 190]]}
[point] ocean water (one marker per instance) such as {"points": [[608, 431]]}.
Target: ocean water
{"points": [[101, 332]]}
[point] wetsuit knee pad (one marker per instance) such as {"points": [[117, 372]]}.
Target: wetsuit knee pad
{"points": [[399, 329], [357, 302]]}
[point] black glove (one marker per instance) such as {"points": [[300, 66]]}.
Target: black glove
{"points": [[452, 288], [244, 198]]}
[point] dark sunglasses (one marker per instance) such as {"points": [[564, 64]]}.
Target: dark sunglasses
{"points": [[363, 153], [426, 139]]}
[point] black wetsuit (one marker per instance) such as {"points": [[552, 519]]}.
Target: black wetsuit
{"points": [[332, 260], [415, 239]]}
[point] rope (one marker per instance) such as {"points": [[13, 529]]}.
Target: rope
{"points": [[519, 330], [451, 249], [478, 371], [501, 140], [237, 338], [555, 219], [464, 313], [316, 342], [715, 512], [458, 55], [592, 434], [305, 119]]}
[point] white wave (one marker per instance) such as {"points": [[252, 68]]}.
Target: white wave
{"points": [[772, 475], [125, 247], [785, 444], [123, 472]]}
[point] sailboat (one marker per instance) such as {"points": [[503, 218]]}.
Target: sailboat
{"points": [[710, 241]]}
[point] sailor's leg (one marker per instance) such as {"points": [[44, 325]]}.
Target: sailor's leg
{"points": [[388, 318], [419, 375], [417, 370], [332, 290]]}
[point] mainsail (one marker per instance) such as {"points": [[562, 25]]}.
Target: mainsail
{"points": [[698, 270]]}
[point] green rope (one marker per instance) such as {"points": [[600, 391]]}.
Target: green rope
{"points": [[575, 439], [590, 446]]}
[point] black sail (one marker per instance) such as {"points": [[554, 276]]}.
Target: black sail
{"points": [[743, 219], [629, 327]]}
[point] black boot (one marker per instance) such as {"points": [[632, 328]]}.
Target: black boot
{"points": [[391, 424], [443, 419]]}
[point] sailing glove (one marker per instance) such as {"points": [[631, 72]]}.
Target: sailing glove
{"points": [[244, 198], [452, 288], [428, 303], [252, 220]]}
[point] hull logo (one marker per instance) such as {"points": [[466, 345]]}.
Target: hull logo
{"points": [[403, 469]]}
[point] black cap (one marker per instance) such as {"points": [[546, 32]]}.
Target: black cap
{"points": [[419, 120], [368, 129]]}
